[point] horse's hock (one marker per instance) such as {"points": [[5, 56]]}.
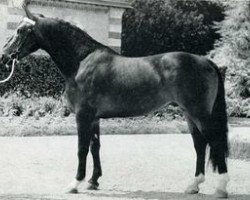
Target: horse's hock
{"points": [[100, 18]]}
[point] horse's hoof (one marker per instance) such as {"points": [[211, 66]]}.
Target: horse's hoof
{"points": [[192, 190], [73, 191], [93, 185], [220, 194], [72, 187]]}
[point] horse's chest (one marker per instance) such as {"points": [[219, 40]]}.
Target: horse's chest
{"points": [[72, 96]]}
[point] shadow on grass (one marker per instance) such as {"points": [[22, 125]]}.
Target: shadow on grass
{"points": [[154, 195], [26, 197], [110, 194]]}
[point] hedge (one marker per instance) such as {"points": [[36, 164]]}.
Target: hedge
{"points": [[158, 26], [35, 75]]}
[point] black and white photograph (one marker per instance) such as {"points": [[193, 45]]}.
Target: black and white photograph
{"points": [[124, 99]]}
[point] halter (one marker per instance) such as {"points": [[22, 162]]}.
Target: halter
{"points": [[15, 60], [11, 73]]}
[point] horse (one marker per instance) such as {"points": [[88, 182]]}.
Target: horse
{"points": [[100, 83]]}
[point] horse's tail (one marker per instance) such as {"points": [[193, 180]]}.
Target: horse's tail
{"points": [[219, 122]]}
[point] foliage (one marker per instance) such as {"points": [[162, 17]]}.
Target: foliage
{"points": [[233, 51], [238, 108], [156, 26], [170, 112], [18, 105], [34, 75], [15, 104]]}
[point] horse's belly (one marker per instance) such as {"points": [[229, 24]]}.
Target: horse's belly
{"points": [[109, 107]]}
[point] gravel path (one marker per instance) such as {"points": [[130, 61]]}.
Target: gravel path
{"points": [[134, 167]]}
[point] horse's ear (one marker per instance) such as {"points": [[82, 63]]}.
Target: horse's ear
{"points": [[27, 11]]}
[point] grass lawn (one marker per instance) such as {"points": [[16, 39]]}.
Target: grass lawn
{"points": [[49, 125]]}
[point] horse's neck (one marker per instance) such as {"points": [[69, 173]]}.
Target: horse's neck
{"points": [[68, 51]]}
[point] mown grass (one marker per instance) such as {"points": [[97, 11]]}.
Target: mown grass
{"points": [[48, 126], [240, 144], [61, 126], [240, 150]]}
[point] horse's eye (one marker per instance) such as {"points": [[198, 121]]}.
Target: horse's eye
{"points": [[19, 31]]}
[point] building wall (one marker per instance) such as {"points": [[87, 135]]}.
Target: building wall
{"points": [[3, 23], [115, 28], [94, 21], [102, 22]]}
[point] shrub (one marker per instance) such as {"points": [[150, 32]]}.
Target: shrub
{"points": [[170, 112], [35, 75], [18, 105], [243, 86], [233, 48], [157, 26], [238, 107]]}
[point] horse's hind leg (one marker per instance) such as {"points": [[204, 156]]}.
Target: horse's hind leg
{"points": [[218, 155], [84, 120], [215, 134], [95, 148], [200, 144]]}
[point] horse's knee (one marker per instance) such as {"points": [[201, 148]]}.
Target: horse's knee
{"points": [[95, 141], [95, 146], [83, 152]]}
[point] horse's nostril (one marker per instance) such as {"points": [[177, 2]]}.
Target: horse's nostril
{"points": [[4, 59], [13, 55]]}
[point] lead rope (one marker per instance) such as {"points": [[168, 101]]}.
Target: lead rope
{"points": [[11, 73]]}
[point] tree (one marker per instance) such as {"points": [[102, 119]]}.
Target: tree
{"points": [[156, 26], [233, 49], [234, 45]]}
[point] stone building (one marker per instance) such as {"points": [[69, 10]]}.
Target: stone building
{"points": [[100, 18]]}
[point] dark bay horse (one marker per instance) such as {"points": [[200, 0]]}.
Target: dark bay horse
{"points": [[103, 84]]}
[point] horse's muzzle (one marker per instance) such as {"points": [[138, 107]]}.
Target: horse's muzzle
{"points": [[3, 59], [6, 59]]}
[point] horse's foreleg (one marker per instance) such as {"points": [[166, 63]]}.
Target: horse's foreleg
{"points": [[95, 148], [84, 134], [200, 148]]}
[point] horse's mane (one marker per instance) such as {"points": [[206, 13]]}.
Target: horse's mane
{"points": [[80, 34], [66, 25]]}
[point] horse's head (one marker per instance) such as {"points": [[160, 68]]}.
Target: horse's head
{"points": [[23, 41]]}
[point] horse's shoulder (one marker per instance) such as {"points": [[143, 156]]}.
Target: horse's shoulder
{"points": [[88, 64], [99, 56], [95, 63]]}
